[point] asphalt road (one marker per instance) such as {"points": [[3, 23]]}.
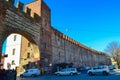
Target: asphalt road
{"points": [[111, 76]]}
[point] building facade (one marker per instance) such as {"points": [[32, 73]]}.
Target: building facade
{"points": [[29, 55], [2, 60], [53, 46], [13, 47], [40, 7], [22, 54]]}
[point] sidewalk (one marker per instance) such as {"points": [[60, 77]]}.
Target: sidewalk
{"points": [[117, 70]]}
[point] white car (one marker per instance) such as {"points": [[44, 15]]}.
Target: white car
{"points": [[98, 70], [30, 73], [67, 71]]}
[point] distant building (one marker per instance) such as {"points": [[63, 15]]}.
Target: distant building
{"points": [[2, 60], [21, 53], [13, 49], [113, 61]]}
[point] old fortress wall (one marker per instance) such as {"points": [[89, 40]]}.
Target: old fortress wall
{"points": [[55, 47]]}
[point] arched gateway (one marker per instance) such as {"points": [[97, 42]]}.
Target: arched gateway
{"points": [[14, 20]]}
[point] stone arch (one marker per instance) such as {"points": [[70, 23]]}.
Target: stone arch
{"points": [[13, 20], [8, 32]]}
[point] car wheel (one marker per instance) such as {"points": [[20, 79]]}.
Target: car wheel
{"points": [[105, 73], [33, 75], [58, 74], [90, 73], [21, 76]]}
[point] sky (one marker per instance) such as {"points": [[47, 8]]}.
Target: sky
{"points": [[93, 23]]}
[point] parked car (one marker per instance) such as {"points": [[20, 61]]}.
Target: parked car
{"points": [[83, 69], [30, 73], [98, 70], [67, 71], [112, 67]]}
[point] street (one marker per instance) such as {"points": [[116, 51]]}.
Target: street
{"points": [[83, 76]]}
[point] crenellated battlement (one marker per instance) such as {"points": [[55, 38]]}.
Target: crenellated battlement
{"points": [[19, 9]]}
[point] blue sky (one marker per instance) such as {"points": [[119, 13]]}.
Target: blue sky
{"points": [[94, 23]]}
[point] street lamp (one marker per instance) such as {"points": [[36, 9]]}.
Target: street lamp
{"points": [[50, 64]]}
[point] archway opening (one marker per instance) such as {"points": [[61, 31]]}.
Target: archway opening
{"points": [[21, 53]]}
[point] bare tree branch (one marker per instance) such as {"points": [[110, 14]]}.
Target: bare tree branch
{"points": [[113, 49]]}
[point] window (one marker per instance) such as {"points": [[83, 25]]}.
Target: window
{"points": [[28, 55], [8, 65], [13, 52], [45, 45], [28, 44], [45, 23], [28, 11], [13, 62], [15, 37]]}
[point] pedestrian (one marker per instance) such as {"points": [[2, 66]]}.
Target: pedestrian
{"points": [[4, 74], [10, 75], [7, 74], [1, 74], [14, 74]]}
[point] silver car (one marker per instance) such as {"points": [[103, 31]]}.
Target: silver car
{"points": [[67, 71]]}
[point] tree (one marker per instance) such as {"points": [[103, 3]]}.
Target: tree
{"points": [[113, 49]]}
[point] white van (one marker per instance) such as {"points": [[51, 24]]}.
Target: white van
{"points": [[31, 73]]}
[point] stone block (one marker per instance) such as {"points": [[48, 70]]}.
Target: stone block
{"points": [[20, 6], [11, 1]]}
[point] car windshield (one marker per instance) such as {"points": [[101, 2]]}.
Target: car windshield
{"points": [[63, 70], [26, 71]]}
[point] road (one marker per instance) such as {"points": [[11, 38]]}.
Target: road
{"points": [[112, 76]]}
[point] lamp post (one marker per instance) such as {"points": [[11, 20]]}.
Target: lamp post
{"points": [[50, 68], [36, 63], [65, 51]]}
